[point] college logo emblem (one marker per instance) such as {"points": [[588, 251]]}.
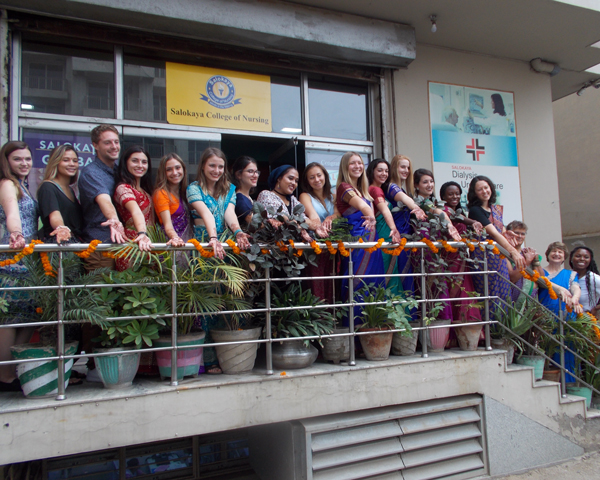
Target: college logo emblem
{"points": [[221, 92], [475, 149]]}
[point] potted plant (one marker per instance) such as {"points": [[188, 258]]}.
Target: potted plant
{"points": [[39, 379], [583, 326], [297, 322], [468, 335], [381, 317], [118, 370], [207, 285]]}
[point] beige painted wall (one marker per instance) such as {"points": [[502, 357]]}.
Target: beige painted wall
{"points": [[535, 128], [577, 126]]}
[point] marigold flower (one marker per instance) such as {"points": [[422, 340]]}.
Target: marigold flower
{"points": [[39, 311]]}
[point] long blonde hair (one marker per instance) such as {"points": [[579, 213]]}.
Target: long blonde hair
{"points": [[362, 184], [407, 184], [56, 157], [222, 186]]}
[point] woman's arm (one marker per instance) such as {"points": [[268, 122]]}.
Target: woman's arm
{"points": [[499, 238], [389, 219], [410, 203], [139, 223], [10, 204], [211, 227], [311, 214], [231, 220], [167, 222], [368, 215]]}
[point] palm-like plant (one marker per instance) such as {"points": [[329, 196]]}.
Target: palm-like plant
{"points": [[79, 304]]}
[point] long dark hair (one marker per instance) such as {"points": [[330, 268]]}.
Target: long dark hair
{"points": [[590, 280], [371, 172], [124, 176], [5, 171], [419, 174], [240, 165], [498, 104], [472, 200], [326, 186]]}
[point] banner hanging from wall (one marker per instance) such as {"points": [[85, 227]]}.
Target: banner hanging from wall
{"points": [[208, 97], [473, 133]]}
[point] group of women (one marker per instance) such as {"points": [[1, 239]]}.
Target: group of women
{"points": [[378, 202]]}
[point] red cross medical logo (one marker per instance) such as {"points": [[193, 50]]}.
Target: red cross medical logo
{"points": [[475, 149]]}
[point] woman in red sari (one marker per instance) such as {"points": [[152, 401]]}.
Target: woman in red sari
{"points": [[133, 200]]}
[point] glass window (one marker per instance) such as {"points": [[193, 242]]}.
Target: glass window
{"points": [[286, 111], [337, 110], [330, 159], [67, 81], [145, 91]]}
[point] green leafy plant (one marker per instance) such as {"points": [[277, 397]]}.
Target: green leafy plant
{"points": [[299, 322], [80, 305], [393, 314]]}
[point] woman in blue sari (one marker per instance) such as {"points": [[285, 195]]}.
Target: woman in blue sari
{"points": [[399, 192], [355, 204]]}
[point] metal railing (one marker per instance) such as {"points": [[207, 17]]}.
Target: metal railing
{"points": [[268, 309]]}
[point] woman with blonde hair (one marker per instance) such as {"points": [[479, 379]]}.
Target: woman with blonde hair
{"points": [[355, 204], [169, 199], [60, 210]]}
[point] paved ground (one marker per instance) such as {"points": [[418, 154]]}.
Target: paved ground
{"points": [[586, 467]]}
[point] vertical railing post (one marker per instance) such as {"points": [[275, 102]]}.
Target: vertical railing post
{"points": [[174, 379], [61, 329], [351, 338], [486, 292], [425, 332], [563, 385], [268, 321]]}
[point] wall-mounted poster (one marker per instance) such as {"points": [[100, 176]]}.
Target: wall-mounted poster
{"points": [[208, 97], [473, 133]]}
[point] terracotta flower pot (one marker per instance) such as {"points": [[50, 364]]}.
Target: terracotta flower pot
{"points": [[376, 347], [468, 337]]}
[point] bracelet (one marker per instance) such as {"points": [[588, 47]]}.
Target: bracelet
{"points": [[16, 232], [239, 230], [216, 238], [141, 233]]}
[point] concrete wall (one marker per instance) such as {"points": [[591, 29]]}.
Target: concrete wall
{"points": [[535, 128], [577, 127]]}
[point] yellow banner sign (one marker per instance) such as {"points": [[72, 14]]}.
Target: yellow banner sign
{"points": [[207, 97]]}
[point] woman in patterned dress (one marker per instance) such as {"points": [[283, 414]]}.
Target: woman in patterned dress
{"points": [[482, 208], [132, 198], [18, 226]]}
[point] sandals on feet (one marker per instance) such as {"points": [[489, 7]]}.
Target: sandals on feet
{"points": [[213, 370]]}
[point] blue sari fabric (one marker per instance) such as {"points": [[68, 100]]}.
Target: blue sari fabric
{"points": [[402, 221], [562, 279], [364, 263]]}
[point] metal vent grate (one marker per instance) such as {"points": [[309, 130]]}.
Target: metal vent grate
{"points": [[439, 439]]}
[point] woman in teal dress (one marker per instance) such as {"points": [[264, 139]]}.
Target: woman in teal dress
{"points": [[212, 202]]}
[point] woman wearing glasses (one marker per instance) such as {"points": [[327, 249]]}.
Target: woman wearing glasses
{"points": [[245, 177]]}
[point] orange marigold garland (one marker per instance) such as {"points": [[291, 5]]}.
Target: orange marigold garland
{"points": [[316, 247], [48, 270], [343, 250], [233, 246], [28, 250], [468, 244], [330, 247], [430, 244], [395, 251], [375, 247], [91, 249], [203, 253], [282, 246], [448, 247]]}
